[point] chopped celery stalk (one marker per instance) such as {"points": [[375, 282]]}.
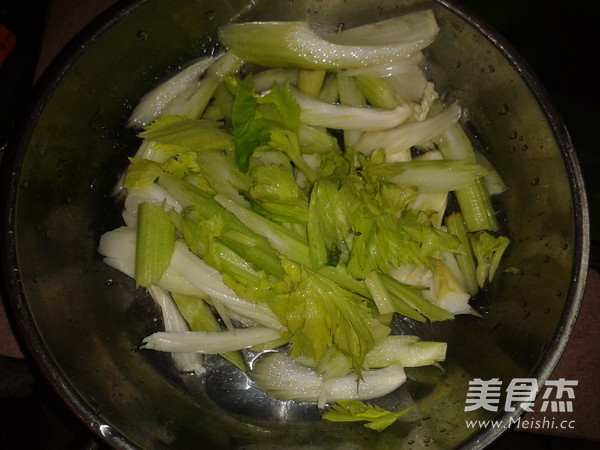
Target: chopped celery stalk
{"points": [[295, 44], [283, 240], [379, 293], [203, 206], [407, 351], [264, 80], [376, 418], [141, 173], [152, 103], [193, 101], [316, 140], [209, 342], [344, 117], [488, 251], [350, 93], [154, 244], [414, 299], [311, 81], [407, 135], [401, 66], [493, 181], [329, 92], [340, 275], [476, 207], [210, 281], [118, 248], [473, 199], [409, 85], [223, 176], [200, 317], [377, 91], [175, 322], [428, 176], [285, 379], [197, 134], [465, 259]]}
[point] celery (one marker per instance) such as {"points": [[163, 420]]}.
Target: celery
{"points": [[175, 322], [283, 378], [428, 176], [200, 317], [407, 351], [488, 251], [202, 206], [197, 134], [415, 300], [399, 138], [376, 418], [377, 91], [351, 95], [155, 244], [343, 117], [311, 81], [465, 259], [329, 91], [152, 103], [209, 342], [280, 238], [474, 199], [295, 44]]}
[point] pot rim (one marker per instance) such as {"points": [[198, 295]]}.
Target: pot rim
{"points": [[12, 289]]}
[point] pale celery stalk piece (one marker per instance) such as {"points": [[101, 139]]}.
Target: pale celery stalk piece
{"points": [[466, 259], [344, 117], [407, 351], [377, 91], [175, 323], [407, 135], [473, 199], [401, 66], [429, 176], [152, 103], [310, 82], [155, 242], [351, 95], [286, 379], [296, 44], [210, 342]]}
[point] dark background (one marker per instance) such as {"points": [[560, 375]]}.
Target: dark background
{"points": [[557, 38]]}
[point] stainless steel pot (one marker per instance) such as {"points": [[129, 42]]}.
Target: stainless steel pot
{"points": [[83, 322]]}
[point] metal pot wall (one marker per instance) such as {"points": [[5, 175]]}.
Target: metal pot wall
{"points": [[83, 321]]}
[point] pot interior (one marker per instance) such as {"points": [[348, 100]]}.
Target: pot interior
{"points": [[87, 320]]}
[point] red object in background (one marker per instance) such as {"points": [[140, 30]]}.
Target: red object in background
{"points": [[7, 42]]}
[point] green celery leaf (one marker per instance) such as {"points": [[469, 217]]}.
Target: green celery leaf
{"points": [[376, 417]]}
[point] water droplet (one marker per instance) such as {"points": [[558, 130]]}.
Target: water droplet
{"points": [[109, 282], [210, 15], [340, 27], [524, 148], [142, 35], [558, 293], [504, 110], [565, 246], [535, 181], [491, 68], [512, 149], [513, 135], [105, 430]]}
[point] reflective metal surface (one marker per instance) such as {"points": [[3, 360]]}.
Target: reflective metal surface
{"points": [[84, 322]]}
